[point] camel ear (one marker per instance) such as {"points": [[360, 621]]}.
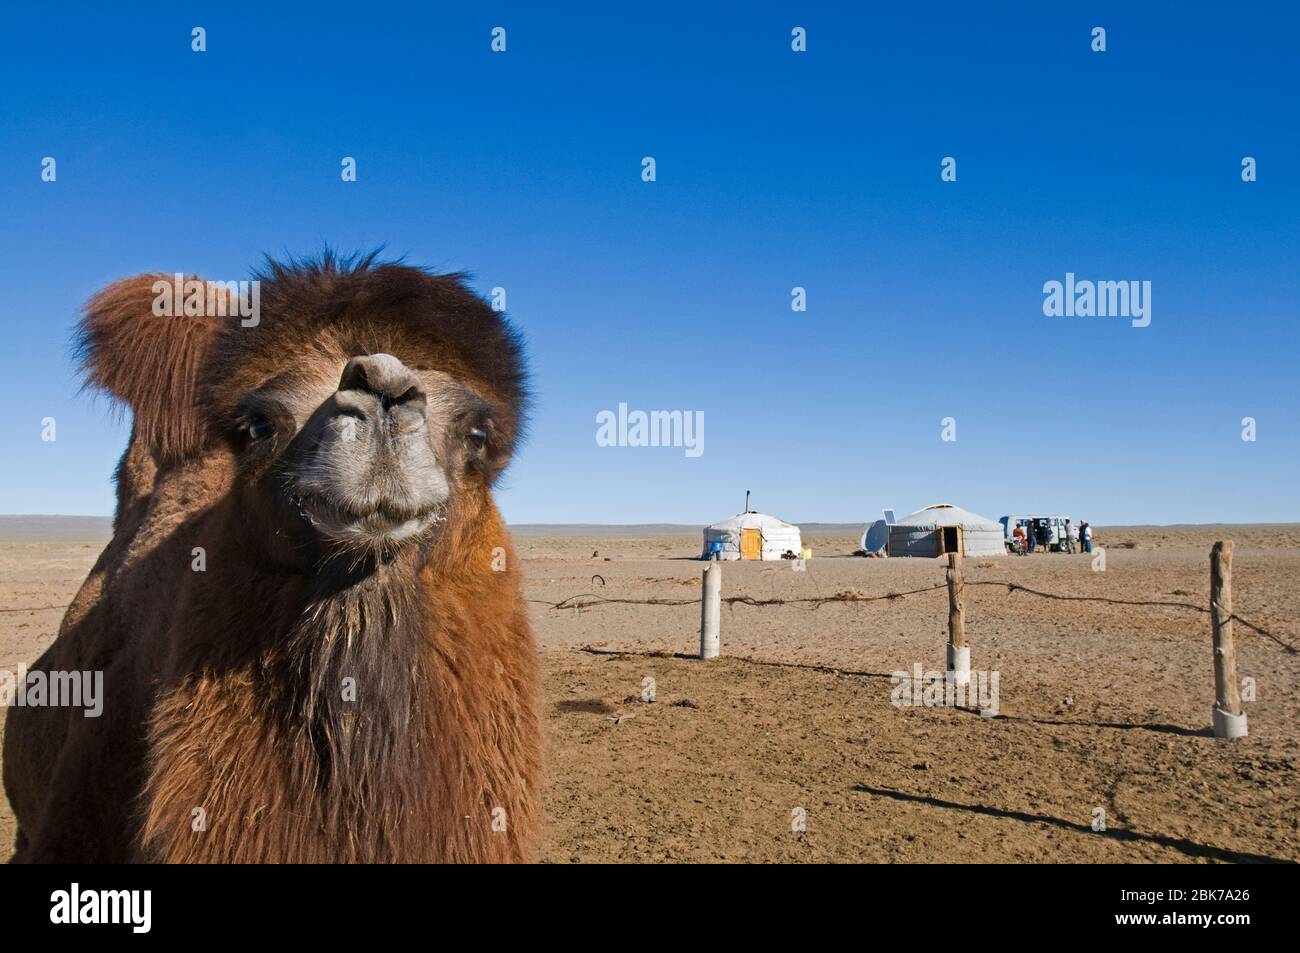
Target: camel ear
{"points": [[136, 343]]}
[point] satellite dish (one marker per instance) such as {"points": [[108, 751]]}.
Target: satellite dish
{"points": [[876, 536]]}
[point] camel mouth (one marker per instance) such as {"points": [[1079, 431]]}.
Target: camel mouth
{"points": [[384, 525]]}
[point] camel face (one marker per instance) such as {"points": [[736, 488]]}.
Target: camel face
{"points": [[364, 470], [364, 410], [375, 464]]}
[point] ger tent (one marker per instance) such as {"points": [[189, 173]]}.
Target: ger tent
{"points": [[944, 528], [753, 536]]}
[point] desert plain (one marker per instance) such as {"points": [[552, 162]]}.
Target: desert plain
{"points": [[790, 748]]}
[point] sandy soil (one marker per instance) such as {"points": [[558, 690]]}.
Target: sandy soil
{"points": [[1101, 708]]}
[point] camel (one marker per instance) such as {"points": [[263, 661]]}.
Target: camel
{"points": [[309, 618]]}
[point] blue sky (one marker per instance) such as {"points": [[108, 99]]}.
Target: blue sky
{"points": [[774, 169]]}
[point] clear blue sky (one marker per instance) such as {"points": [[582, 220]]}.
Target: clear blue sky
{"points": [[775, 169]]}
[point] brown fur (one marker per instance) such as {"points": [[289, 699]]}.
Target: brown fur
{"points": [[223, 698], [150, 364]]}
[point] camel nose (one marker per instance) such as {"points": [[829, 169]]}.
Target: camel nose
{"points": [[385, 377]]}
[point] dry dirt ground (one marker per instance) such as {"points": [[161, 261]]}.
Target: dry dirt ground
{"points": [[1102, 708]]}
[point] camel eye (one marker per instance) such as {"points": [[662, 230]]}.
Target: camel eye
{"points": [[477, 438], [259, 428]]}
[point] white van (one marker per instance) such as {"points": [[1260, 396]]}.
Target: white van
{"points": [[1060, 536]]}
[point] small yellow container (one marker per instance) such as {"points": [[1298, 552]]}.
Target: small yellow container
{"points": [[807, 553]]}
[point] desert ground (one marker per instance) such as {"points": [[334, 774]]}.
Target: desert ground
{"points": [[1103, 710]]}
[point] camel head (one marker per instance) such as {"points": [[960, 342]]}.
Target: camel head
{"points": [[363, 407]]}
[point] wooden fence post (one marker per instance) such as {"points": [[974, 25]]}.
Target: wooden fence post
{"points": [[1229, 719], [958, 650], [711, 610]]}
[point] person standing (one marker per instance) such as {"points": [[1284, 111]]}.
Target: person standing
{"points": [[1085, 536], [1031, 535], [1069, 537]]}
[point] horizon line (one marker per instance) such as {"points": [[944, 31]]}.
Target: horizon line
{"points": [[691, 524]]}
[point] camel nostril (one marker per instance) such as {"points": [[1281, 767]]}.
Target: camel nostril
{"points": [[354, 376], [412, 395]]}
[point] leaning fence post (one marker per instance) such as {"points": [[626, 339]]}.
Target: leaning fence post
{"points": [[958, 650], [711, 610], [1229, 719]]}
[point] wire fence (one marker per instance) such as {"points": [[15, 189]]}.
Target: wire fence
{"points": [[588, 599]]}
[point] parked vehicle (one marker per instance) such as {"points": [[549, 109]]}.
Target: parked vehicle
{"points": [[1049, 532]]}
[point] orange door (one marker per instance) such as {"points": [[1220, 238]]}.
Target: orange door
{"points": [[751, 544]]}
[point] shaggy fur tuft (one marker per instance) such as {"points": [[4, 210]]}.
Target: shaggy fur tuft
{"points": [[148, 362]]}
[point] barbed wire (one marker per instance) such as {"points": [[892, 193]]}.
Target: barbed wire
{"points": [[814, 601], [1232, 617], [587, 599]]}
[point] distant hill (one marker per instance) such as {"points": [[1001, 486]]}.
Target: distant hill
{"points": [[602, 529], [56, 528], [53, 528], [653, 529]]}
